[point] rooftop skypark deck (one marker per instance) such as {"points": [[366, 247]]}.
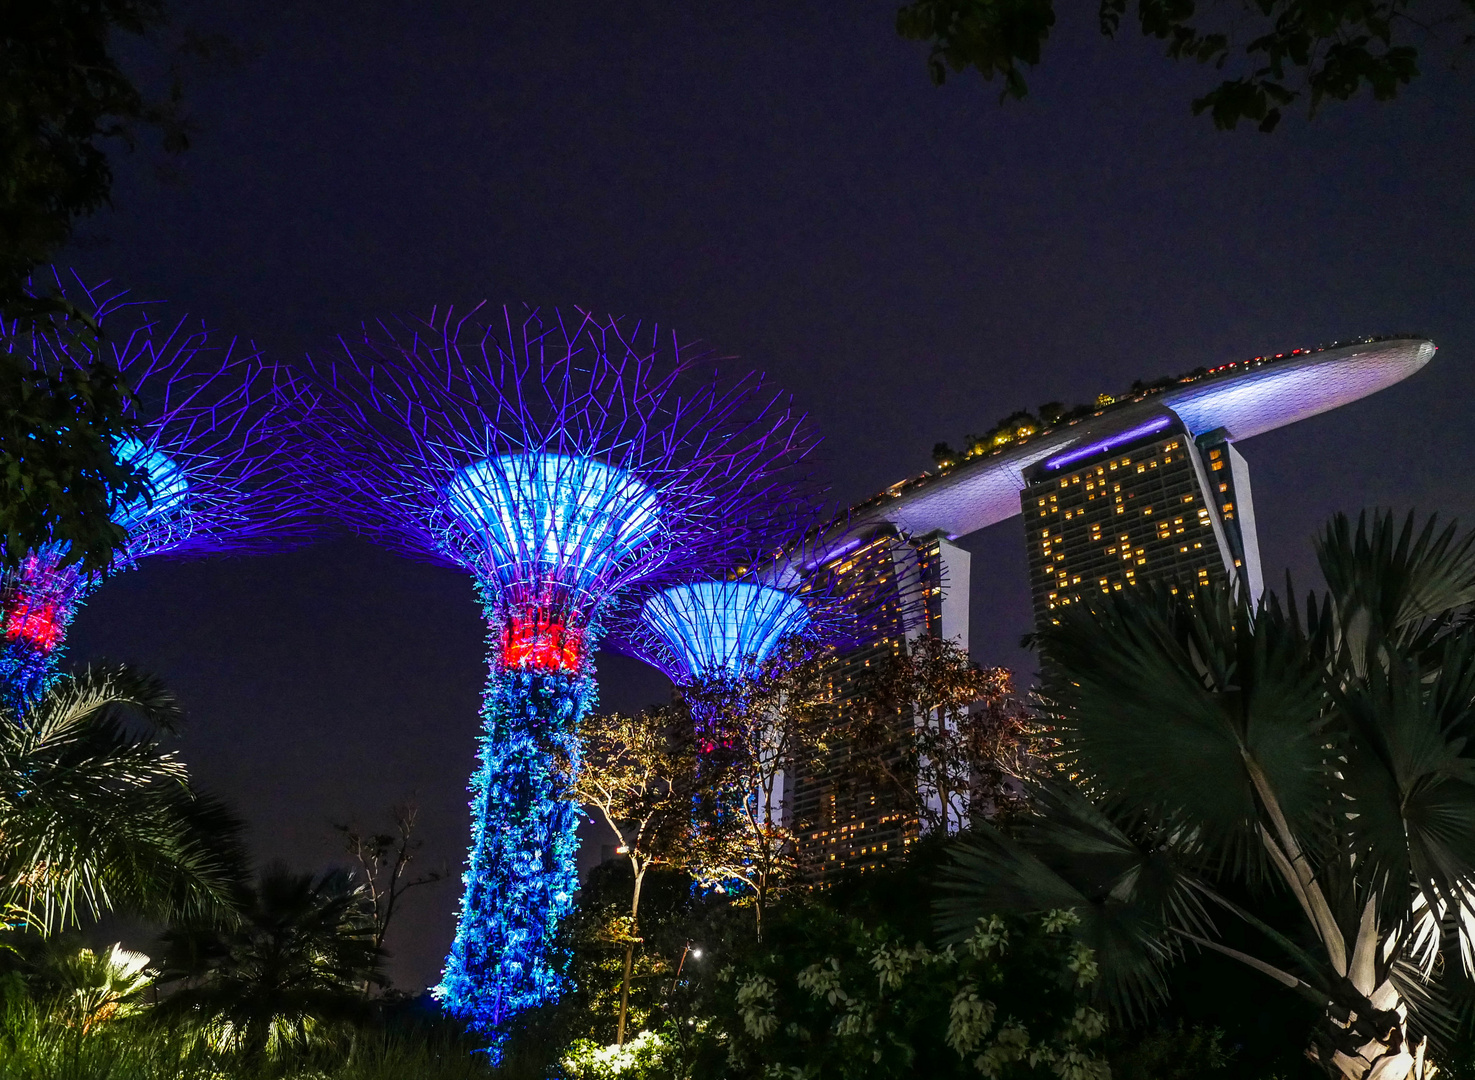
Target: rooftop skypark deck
{"points": [[1245, 398]]}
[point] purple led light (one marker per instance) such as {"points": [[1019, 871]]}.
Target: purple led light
{"points": [[561, 459], [1108, 443]]}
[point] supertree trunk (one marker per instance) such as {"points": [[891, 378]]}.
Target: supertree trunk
{"points": [[521, 873], [38, 599]]}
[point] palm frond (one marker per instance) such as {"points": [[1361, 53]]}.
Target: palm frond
{"points": [[1163, 700], [1128, 892], [1385, 580], [95, 814]]}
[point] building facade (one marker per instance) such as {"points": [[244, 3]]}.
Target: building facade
{"points": [[1148, 503], [841, 822]]}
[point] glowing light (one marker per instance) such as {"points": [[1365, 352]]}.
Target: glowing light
{"points": [[717, 625], [541, 639], [554, 509], [167, 482], [521, 870], [38, 599], [1121, 438], [36, 623]]}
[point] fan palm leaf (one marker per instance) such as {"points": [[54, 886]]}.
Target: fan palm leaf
{"points": [[1188, 707], [1069, 855], [1390, 581], [1331, 756]]}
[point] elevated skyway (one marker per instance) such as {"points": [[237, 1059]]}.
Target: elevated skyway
{"points": [[1245, 399]]}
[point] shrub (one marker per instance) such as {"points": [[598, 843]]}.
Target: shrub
{"points": [[645, 1057], [833, 997]]}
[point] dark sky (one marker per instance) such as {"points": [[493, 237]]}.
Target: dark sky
{"points": [[783, 182]]}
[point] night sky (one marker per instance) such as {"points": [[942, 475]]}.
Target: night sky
{"points": [[782, 182]]}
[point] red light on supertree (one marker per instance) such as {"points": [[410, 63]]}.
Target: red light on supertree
{"points": [[542, 640], [35, 623]]}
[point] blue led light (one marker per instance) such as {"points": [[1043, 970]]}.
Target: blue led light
{"points": [[552, 509], [1110, 442], [521, 872], [169, 486], [715, 626]]}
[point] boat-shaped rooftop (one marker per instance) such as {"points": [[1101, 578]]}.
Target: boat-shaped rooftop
{"points": [[1245, 398]]}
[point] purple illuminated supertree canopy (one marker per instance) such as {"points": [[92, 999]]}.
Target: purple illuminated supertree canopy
{"points": [[213, 440], [560, 460]]}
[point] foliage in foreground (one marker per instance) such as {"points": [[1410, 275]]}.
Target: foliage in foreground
{"points": [[60, 477], [63, 96], [95, 815], [299, 955], [831, 996], [1212, 756], [37, 1044], [828, 994], [1279, 52]]}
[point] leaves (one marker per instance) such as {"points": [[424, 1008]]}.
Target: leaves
{"points": [[62, 93], [936, 734], [95, 815], [993, 37], [59, 476], [1288, 50], [1205, 751], [301, 952], [751, 729], [839, 997], [1175, 703], [1123, 891]]}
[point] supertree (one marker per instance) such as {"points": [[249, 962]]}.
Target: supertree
{"points": [[701, 623], [755, 653], [559, 459], [796, 599], [211, 439]]}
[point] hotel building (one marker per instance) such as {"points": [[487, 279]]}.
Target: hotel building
{"points": [[1148, 487]]}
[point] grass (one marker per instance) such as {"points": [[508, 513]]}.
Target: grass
{"points": [[37, 1046]]}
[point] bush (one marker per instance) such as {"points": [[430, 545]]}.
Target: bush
{"points": [[834, 997], [646, 1057]]}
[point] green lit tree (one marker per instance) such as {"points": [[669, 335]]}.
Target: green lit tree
{"points": [[768, 719], [638, 775], [941, 737]]}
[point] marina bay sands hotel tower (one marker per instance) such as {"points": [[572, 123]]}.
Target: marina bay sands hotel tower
{"points": [[1149, 486]]}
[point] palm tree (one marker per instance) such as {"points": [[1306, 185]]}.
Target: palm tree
{"points": [[95, 988], [1207, 750], [96, 816], [299, 955]]}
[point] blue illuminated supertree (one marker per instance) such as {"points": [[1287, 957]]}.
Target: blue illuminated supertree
{"points": [[727, 622], [559, 460], [754, 652], [212, 442]]}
